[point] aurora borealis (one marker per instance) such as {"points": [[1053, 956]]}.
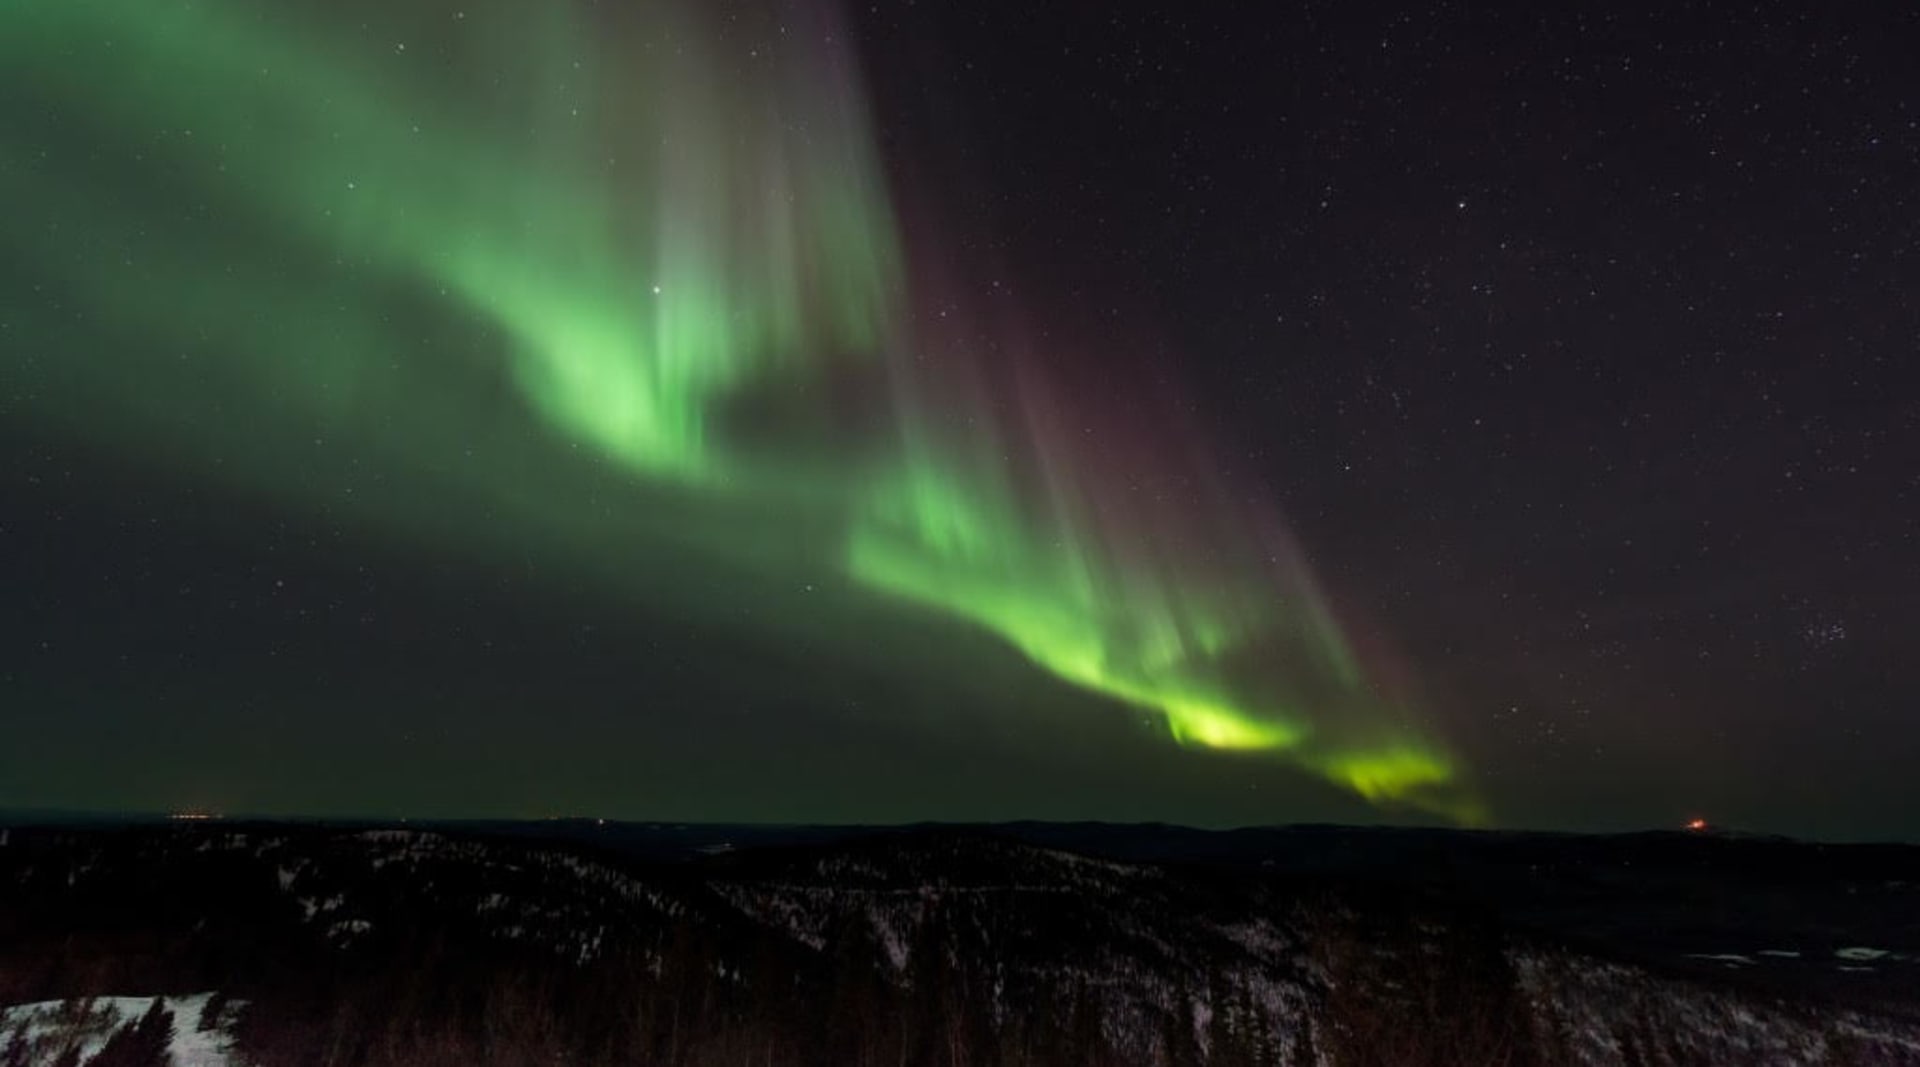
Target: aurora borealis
{"points": [[641, 304], [675, 264]]}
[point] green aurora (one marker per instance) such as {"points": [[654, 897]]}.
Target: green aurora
{"points": [[500, 279]]}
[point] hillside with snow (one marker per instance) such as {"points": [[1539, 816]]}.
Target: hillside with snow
{"points": [[398, 945], [185, 1031]]}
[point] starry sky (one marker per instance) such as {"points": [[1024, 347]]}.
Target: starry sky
{"points": [[784, 411]]}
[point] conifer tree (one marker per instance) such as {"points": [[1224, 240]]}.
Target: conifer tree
{"points": [[143, 1044], [211, 1011], [17, 1050]]}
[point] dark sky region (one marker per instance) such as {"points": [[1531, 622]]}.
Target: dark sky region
{"points": [[1210, 413]]}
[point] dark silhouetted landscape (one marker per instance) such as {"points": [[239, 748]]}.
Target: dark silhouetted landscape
{"points": [[1045, 944]]}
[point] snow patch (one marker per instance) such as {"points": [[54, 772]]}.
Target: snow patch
{"points": [[52, 1026]]}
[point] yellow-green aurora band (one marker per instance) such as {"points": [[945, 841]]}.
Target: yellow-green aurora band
{"points": [[403, 263]]}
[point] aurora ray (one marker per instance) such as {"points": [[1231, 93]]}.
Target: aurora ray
{"points": [[633, 240]]}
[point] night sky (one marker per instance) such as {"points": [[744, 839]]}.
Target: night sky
{"points": [[781, 411]]}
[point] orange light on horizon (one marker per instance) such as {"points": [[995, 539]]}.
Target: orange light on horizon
{"points": [[1696, 824]]}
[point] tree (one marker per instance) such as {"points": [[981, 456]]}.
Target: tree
{"points": [[1180, 1044], [146, 1043], [211, 1011], [18, 1052]]}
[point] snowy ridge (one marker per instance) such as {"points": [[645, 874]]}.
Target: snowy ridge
{"points": [[1164, 965]]}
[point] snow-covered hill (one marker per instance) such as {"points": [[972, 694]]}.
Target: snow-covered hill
{"points": [[408, 946]]}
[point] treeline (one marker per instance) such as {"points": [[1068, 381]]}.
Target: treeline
{"points": [[474, 957], [698, 998], [704, 997]]}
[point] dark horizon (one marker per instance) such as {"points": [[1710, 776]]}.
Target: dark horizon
{"points": [[53, 818]]}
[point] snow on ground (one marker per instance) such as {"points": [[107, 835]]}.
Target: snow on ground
{"points": [[893, 932], [1608, 1013], [1852, 954], [52, 1025]]}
